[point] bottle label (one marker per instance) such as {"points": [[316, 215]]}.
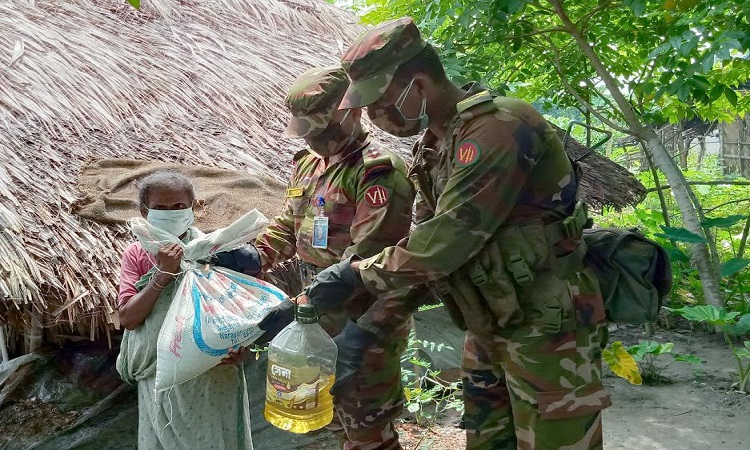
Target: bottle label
{"points": [[293, 388]]}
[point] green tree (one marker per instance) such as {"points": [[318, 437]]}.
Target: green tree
{"points": [[629, 63]]}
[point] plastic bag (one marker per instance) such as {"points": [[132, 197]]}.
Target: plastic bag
{"points": [[214, 310]]}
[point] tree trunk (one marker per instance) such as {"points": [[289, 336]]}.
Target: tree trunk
{"points": [[661, 157], [682, 195], [701, 153], [682, 147]]}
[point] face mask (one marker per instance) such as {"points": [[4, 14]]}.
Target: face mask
{"points": [[176, 221], [393, 121], [331, 141]]}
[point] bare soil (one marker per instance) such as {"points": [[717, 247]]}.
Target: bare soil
{"points": [[26, 422]]}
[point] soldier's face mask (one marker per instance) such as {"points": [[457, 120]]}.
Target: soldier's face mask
{"points": [[333, 139], [393, 121]]}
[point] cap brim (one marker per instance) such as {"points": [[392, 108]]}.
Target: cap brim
{"points": [[367, 90], [300, 128]]}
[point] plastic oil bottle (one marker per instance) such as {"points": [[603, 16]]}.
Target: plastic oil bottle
{"points": [[301, 371]]}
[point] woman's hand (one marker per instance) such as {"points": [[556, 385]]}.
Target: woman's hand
{"points": [[169, 257], [235, 357]]}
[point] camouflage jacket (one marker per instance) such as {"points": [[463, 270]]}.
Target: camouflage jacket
{"points": [[500, 164], [368, 202]]}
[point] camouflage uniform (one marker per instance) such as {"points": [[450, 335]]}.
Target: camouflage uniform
{"points": [[499, 241], [368, 202]]}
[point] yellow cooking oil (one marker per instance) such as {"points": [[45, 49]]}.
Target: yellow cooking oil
{"points": [[300, 373]]}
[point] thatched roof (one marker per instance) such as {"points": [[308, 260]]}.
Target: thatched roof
{"points": [[194, 82]]}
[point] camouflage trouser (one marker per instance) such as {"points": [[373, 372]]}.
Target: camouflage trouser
{"points": [[528, 389], [363, 418]]}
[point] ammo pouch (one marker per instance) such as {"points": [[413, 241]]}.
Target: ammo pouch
{"points": [[634, 273], [517, 277]]}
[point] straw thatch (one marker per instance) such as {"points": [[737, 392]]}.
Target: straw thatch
{"points": [[189, 81]]}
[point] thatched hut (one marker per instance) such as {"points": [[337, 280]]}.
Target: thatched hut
{"points": [[193, 82]]}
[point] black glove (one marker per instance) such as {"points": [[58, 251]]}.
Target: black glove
{"points": [[352, 342], [244, 260], [273, 323], [334, 285]]}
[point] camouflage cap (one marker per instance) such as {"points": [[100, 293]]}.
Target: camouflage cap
{"points": [[313, 99], [372, 60]]}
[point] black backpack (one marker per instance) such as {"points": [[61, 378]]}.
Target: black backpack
{"points": [[634, 273]]}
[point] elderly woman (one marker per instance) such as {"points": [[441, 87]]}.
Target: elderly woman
{"points": [[211, 410]]}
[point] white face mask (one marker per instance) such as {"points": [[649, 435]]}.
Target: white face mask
{"points": [[175, 221]]}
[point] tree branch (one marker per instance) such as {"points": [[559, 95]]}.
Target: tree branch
{"points": [[727, 203], [568, 87], [706, 183], [584, 20]]}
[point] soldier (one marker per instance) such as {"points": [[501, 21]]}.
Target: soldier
{"points": [[348, 197], [498, 241]]}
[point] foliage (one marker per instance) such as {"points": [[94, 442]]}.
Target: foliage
{"points": [[425, 392], [135, 3], [725, 321], [648, 355], [727, 208], [676, 59], [622, 363]]}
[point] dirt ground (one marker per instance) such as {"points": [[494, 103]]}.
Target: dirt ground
{"points": [[697, 410]]}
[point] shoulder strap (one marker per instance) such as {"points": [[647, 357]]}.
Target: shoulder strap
{"points": [[300, 154], [476, 99], [376, 160]]}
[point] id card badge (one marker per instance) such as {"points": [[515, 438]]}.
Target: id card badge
{"points": [[320, 232]]}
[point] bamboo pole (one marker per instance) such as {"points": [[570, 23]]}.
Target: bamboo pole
{"points": [[3, 344]]}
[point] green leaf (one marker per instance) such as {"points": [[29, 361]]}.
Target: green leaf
{"points": [[716, 91], [638, 6], [681, 235], [732, 266], [664, 348], [413, 407], [135, 4], [743, 352], [706, 313], [740, 328], [691, 359], [730, 95], [723, 222]]}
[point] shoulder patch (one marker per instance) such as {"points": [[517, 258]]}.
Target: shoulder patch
{"points": [[467, 153], [474, 100], [376, 196]]}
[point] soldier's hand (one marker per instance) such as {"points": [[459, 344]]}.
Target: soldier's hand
{"points": [[244, 260], [352, 343], [334, 285]]}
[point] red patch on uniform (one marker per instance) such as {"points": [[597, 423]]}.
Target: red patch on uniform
{"points": [[467, 153], [376, 196]]}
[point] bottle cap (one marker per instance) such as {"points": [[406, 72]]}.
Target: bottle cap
{"points": [[307, 313]]}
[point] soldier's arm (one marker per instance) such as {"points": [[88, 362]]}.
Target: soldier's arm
{"points": [[383, 216], [279, 242], [392, 309], [491, 159]]}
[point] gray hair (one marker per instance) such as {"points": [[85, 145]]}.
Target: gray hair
{"points": [[164, 179]]}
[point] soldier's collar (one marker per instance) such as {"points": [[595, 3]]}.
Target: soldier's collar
{"points": [[363, 139]]}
